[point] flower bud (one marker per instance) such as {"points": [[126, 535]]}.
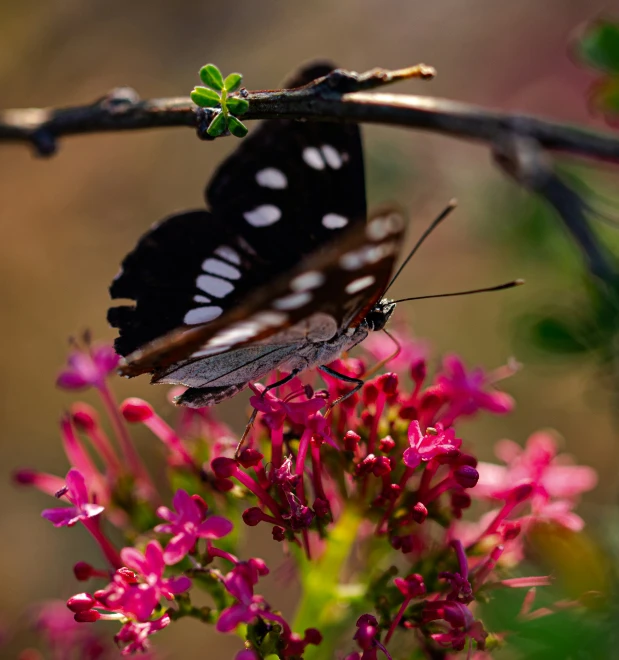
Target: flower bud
{"points": [[278, 533], [466, 476], [419, 512], [388, 383], [351, 441], [321, 507], [84, 416], [387, 444], [252, 516], [136, 410], [419, 371], [411, 586], [312, 636], [25, 477], [127, 575], [88, 616], [224, 467], [83, 571], [250, 457], [81, 602], [510, 529], [370, 393], [381, 466], [460, 500]]}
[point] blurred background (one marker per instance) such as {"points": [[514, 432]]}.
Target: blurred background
{"points": [[68, 221]]}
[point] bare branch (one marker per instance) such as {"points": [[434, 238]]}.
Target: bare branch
{"points": [[525, 162], [339, 96]]}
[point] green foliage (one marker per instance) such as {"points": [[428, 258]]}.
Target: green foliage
{"points": [[205, 98], [216, 93], [236, 127], [599, 48], [211, 77]]}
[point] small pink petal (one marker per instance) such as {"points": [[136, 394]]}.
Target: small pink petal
{"points": [[70, 380], [77, 487], [178, 585], [177, 548], [215, 527], [230, 618]]}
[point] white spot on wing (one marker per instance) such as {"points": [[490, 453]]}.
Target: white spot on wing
{"points": [[214, 286], [226, 252], [293, 301], [239, 332], [202, 299], [334, 221], [312, 157], [359, 284], [270, 319], [352, 260], [307, 281], [270, 177], [202, 315], [263, 216], [218, 267], [379, 228], [332, 156]]}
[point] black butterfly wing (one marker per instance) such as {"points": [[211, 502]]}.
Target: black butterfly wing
{"points": [[292, 187], [192, 267], [326, 293]]}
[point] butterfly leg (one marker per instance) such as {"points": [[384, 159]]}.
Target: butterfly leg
{"points": [[348, 379], [252, 419], [383, 362]]}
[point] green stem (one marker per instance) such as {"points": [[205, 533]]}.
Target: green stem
{"points": [[322, 604]]}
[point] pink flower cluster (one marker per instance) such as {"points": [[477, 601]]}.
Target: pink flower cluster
{"points": [[391, 453]]}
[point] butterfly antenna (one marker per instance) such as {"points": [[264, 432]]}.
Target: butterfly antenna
{"points": [[435, 223], [499, 287]]}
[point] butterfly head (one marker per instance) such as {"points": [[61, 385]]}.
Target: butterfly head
{"points": [[378, 316]]}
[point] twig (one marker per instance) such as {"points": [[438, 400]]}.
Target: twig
{"points": [[517, 140], [525, 162], [339, 96]]}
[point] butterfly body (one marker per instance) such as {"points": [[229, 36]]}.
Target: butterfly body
{"points": [[285, 272]]}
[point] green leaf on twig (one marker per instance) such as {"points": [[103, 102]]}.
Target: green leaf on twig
{"points": [[237, 106], [211, 77], [205, 98], [216, 93], [233, 82], [217, 126], [236, 127]]}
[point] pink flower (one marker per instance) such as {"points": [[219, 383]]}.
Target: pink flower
{"points": [[239, 582], [469, 392], [555, 480], [276, 410], [77, 494], [133, 636], [425, 447], [88, 368], [142, 598], [188, 524]]}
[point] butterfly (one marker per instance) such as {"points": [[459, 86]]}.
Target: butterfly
{"points": [[285, 271]]}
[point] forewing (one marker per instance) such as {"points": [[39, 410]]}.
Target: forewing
{"points": [[349, 274]]}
